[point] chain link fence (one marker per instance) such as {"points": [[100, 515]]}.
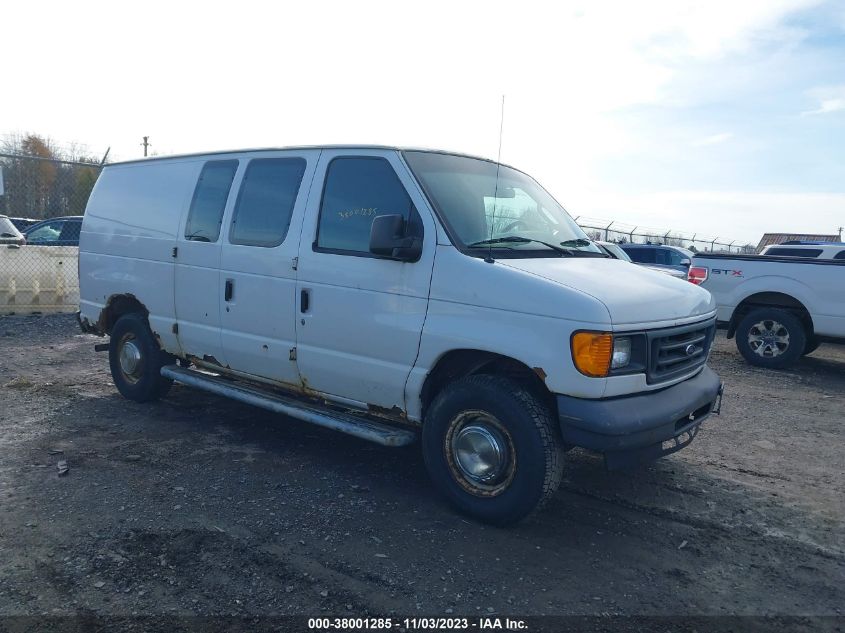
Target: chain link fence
{"points": [[38, 272], [39, 243], [612, 231]]}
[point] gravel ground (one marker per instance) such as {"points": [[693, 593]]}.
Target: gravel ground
{"points": [[196, 505]]}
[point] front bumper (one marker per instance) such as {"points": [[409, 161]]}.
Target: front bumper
{"points": [[630, 430]]}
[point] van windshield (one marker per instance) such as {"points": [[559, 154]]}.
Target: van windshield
{"points": [[511, 214]]}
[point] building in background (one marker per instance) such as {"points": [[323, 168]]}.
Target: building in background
{"points": [[780, 238]]}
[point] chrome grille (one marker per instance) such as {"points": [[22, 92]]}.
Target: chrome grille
{"points": [[678, 351]]}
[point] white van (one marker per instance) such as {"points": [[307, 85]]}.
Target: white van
{"points": [[390, 294]]}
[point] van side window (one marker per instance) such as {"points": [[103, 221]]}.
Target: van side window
{"points": [[209, 200], [839, 255], [265, 202], [357, 189]]}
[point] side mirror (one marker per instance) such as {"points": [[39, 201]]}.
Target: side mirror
{"points": [[388, 239], [686, 262]]}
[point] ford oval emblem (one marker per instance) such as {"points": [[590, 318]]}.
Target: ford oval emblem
{"points": [[691, 349]]}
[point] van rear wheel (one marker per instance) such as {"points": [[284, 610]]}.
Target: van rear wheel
{"points": [[492, 448], [136, 359]]}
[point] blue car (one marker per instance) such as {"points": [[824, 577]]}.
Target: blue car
{"points": [[659, 256], [55, 232]]}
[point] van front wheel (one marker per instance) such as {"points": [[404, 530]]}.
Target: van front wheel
{"points": [[492, 448], [136, 359]]}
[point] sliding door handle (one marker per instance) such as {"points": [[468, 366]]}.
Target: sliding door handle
{"points": [[304, 300], [229, 290]]}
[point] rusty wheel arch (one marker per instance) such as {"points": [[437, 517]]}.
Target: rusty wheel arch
{"points": [[116, 307], [459, 363]]}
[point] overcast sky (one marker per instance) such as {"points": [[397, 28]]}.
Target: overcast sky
{"points": [[725, 118]]}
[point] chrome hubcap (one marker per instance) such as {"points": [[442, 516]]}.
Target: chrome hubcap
{"points": [[130, 358], [768, 338], [480, 452]]}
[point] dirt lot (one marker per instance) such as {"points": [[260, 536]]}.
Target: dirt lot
{"points": [[199, 505]]}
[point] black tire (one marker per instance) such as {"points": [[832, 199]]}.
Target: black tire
{"points": [[812, 345], [771, 337], [518, 421], [140, 381]]}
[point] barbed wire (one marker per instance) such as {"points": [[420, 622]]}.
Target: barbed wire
{"points": [[617, 231]]}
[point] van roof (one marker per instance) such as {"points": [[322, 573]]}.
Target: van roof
{"points": [[300, 147]]}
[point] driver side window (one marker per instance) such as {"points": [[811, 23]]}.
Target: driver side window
{"points": [[47, 233], [357, 190], [675, 258]]}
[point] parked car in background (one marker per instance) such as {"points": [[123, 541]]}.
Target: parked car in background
{"points": [[660, 256], [55, 232], [22, 224], [370, 290], [812, 250], [779, 308], [616, 252], [9, 234]]}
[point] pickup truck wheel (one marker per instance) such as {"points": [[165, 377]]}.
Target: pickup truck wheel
{"points": [[771, 337], [136, 360], [492, 448]]}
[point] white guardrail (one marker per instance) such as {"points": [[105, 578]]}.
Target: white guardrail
{"points": [[38, 279]]}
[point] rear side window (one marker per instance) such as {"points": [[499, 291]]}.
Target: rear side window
{"points": [[209, 200], [265, 202], [642, 255], [358, 189], [794, 252], [839, 255]]}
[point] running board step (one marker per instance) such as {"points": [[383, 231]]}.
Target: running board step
{"points": [[338, 421]]}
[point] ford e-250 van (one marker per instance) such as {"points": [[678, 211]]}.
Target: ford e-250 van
{"points": [[393, 295]]}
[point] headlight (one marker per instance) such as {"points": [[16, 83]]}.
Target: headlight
{"points": [[596, 353], [621, 352]]}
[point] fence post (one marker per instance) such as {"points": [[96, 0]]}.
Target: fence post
{"points": [[607, 228], [631, 235], [713, 243], [731, 246]]}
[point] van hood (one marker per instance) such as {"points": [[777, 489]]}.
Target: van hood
{"points": [[633, 295]]}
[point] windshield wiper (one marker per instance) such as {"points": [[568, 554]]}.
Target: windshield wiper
{"points": [[576, 242], [517, 239]]}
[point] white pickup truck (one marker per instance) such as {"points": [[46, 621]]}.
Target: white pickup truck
{"points": [[779, 308]]}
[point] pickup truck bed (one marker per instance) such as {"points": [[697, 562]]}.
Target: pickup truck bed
{"points": [[779, 308]]}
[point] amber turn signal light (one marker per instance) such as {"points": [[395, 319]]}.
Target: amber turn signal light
{"points": [[592, 353]]}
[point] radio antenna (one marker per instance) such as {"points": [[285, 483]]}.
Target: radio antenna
{"points": [[489, 259]]}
